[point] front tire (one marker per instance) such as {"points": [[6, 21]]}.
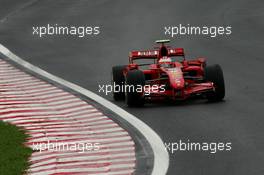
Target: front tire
{"points": [[118, 79], [214, 74], [135, 78]]}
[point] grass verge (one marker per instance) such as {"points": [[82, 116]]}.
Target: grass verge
{"points": [[13, 153]]}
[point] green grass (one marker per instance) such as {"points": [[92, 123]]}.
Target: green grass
{"points": [[13, 154]]}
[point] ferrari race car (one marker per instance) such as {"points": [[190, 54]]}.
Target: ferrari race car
{"points": [[164, 73]]}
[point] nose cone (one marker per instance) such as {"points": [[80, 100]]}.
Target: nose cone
{"points": [[177, 83], [176, 77]]}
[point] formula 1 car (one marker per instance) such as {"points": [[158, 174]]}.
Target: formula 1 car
{"points": [[168, 76]]}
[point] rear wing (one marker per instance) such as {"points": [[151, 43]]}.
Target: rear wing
{"points": [[176, 52], [144, 54], [155, 54]]}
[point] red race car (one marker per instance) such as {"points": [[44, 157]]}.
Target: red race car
{"points": [[166, 74]]}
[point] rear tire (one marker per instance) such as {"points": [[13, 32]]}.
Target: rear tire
{"points": [[119, 80], [135, 78], [214, 74]]}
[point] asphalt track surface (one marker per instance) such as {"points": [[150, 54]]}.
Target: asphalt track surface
{"points": [[127, 25]]}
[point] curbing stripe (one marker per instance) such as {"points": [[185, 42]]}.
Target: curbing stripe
{"points": [[47, 116], [161, 156]]}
